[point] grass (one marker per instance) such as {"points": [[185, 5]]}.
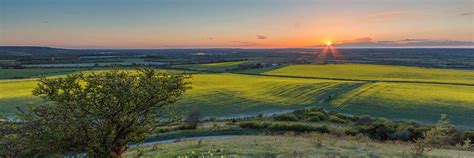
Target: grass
{"points": [[219, 95], [422, 102], [236, 95], [29, 73], [232, 95], [216, 67], [377, 72], [289, 145]]}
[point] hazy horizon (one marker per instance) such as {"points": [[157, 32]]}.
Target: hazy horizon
{"points": [[236, 24]]}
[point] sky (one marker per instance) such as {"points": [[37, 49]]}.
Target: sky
{"points": [[235, 23]]}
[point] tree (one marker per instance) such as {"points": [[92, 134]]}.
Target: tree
{"points": [[101, 113], [440, 134], [192, 120]]}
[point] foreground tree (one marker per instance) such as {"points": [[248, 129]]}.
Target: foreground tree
{"points": [[100, 114]]}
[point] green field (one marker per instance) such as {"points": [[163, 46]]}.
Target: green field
{"points": [[220, 95], [422, 102], [28, 73], [235, 95], [229, 95], [215, 67], [377, 72]]}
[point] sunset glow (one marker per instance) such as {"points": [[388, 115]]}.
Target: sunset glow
{"points": [[234, 24]]}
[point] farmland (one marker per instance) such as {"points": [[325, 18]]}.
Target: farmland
{"points": [[236, 95], [377, 72], [221, 95], [28, 73], [217, 67], [422, 102]]}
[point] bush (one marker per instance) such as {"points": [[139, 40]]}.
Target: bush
{"points": [[364, 120], [468, 134], [352, 131], [336, 119], [321, 115], [286, 117], [298, 127], [322, 129], [253, 125], [192, 120], [314, 119]]}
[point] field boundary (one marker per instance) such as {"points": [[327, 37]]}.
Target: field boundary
{"points": [[361, 80]]}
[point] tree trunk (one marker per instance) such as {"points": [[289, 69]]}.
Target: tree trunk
{"points": [[117, 151]]}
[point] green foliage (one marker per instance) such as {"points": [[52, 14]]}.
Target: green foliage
{"points": [[100, 113], [440, 134], [467, 144], [286, 117], [192, 120], [295, 127], [315, 116], [336, 119]]}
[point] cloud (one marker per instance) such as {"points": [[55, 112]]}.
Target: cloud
{"points": [[261, 37], [244, 43], [358, 40], [466, 14]]}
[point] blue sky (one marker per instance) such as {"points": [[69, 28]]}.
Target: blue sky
{"points": [[229, 23]]}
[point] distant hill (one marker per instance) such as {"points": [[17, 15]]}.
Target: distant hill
{"points": [[35, 50]]}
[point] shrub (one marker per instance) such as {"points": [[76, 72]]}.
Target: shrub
{"points": [[335, 119], [321, 115], [322, 129], [364, 120], [352, 131], [298, 127], [253, 125], [286, 117], [192, 120], [468, 134], [440, 134], [314, 119], [420, 147]]}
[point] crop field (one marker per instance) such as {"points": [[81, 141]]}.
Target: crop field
{"points": [[231, 95], [236, 95], [220, 95], [217, 67], [377, 72], [28, 73], [422, 102]]}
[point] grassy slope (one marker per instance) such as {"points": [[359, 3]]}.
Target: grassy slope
{"points": [[423, 102], [235, 95], [377, 72], [289, 146], [219, 94]]}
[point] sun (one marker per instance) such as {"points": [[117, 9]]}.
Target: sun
{"points": [[328, 43]]}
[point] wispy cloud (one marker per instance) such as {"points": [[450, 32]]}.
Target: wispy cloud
{"points": [[244, 43], [466, 14], [261, 37], [358, 40]]}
